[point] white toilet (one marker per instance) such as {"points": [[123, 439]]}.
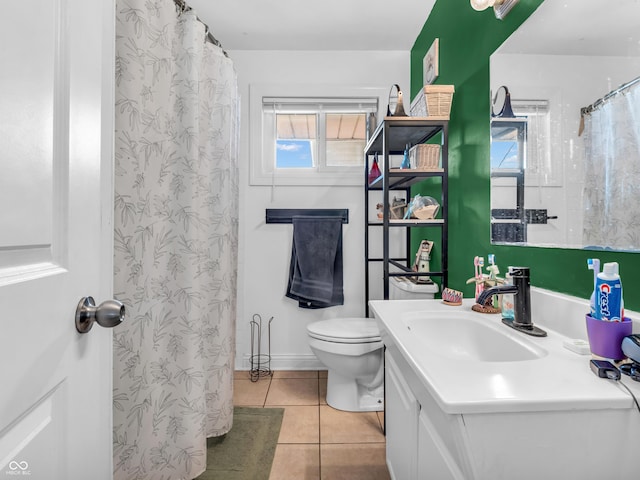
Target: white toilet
{"points": [[351, 349]]}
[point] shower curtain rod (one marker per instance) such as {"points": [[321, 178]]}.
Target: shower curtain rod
{"points": [[183, 7], [587, 110]]}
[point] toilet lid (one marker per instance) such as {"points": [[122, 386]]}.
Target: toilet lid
{"points": [[345, 330]]}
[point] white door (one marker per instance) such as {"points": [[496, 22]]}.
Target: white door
{"points": [[55, 237]]}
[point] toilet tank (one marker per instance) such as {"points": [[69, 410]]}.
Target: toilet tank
{"points": [[401, 288]]}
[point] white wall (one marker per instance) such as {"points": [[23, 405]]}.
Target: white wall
{"points": [[569, 82], [265, 250]]}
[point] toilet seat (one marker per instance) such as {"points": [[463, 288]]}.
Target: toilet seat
{"points": [[345, 330]]}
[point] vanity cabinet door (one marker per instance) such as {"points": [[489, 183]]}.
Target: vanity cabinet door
{"points": [[401, 417], [434, 460]]}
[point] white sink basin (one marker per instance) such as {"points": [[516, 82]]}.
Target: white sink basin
{"points": [[464, 389], [472, 363], [466, 336]]}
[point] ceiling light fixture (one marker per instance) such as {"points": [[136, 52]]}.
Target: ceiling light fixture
{"points": [[500, 7]]}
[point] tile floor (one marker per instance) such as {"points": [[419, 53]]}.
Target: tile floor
{"points": [[316, 441]]}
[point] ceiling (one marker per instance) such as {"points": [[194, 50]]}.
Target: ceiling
{"points": [[314, 25], [579, 27]]}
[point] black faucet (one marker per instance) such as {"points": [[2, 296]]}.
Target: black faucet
{"points": [[522, 301]]}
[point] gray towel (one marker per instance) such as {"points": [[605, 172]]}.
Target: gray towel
{"points": [[315, 272]]}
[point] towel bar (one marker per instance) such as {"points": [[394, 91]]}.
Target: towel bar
{"points": [[285, 215]]}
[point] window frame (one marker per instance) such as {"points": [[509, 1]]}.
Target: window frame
{"points": [[539, 169], [263, 142]]}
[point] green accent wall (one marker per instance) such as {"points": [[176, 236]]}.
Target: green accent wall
{"points": [[467, 40]]}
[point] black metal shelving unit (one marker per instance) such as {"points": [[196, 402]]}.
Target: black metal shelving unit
{"points": [[390, 138]]}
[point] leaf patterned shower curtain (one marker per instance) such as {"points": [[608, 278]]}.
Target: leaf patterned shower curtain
{"points": [[611, 200], [176, 207]]}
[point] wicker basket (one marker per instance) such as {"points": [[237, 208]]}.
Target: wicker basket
{"points": [[425, 156], [433, 101]]}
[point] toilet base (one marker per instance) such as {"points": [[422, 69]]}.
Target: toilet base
{"points": [[346, 394]]}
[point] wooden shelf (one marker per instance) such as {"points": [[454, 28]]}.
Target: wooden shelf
{"points": [[402, 130], [409, 222], [400, 178], [411, 171]]}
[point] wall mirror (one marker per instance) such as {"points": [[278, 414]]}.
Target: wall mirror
{"points": [[565, 170]]}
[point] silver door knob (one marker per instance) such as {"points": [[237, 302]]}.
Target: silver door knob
{"points": [[108, 314]]}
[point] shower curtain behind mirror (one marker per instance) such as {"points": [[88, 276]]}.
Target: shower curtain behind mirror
{"points": [[176, 207], [611, 200]]}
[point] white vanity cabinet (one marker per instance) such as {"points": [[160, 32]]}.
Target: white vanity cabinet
{"points": [[434, 461], [420, 439], [401, 418], [528, 418], [426, 443]]}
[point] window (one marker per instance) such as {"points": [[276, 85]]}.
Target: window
{"points": [[298, 144], [530, 129], [295, 140], [345, 138], [539, 169], [508, 144], [316, 135], [310, 140]]}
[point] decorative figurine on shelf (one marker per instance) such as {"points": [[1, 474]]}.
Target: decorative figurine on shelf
{"points": [[374, 173], [421, 263]]}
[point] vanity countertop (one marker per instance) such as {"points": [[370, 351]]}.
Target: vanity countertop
{"points": [[558, 380]]}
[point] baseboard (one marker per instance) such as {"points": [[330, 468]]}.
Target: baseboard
{"points": [[286, 362]]}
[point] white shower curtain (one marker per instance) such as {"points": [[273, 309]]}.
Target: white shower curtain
{"points": [[611, 202], [176, 207]]}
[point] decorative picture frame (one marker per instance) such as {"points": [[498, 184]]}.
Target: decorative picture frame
{"points": [[430, 63]]}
